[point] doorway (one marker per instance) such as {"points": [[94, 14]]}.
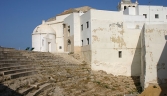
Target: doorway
{"points": [[49, 46]]}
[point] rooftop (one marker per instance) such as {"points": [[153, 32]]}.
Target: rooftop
{"points": [[71, 10]]}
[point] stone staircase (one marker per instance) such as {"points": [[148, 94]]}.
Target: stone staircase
{"points": [[14, 65], [26, 73]]}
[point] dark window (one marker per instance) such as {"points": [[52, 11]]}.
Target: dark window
{"points": [[156, 16], [68, 34], [166, 16], [124, 7], [69, 42], [88, 40], [120, 54], [133, 6], [87, 24], [64, 25], [60, 47], [81, 27], [82, 42], [145, 15], [69, 29]]}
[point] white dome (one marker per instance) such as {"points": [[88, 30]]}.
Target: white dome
{"points": [[44, 29]]}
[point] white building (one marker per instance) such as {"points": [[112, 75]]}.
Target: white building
{"points": [[129, 42]]}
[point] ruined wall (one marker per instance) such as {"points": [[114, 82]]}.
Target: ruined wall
{"points": [[108, 38], [86, 53], [156, 53]]}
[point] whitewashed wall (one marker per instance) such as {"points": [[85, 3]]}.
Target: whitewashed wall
{"points": [[109, 36], [151, 11], [58, 27], [165, 14], [77, 29], [155, 37], [37, 41], [49, 38], [40, 42], [86, 32], [134, 21]]}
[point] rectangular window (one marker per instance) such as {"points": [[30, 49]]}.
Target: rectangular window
{"points": [[145, 15], [82, 27], [156, 16], [87, 24], [124, 7], [82, 42], [120, 54], [60, 47], [166, 16], [88, 40]]}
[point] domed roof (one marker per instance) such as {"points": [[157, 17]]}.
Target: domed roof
{"points": [[44, 29]]}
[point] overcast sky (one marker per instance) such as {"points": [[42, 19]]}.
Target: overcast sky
{"points": [[18, 18]]}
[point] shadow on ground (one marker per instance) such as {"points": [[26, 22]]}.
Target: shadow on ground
{"points": [[6, 91]]}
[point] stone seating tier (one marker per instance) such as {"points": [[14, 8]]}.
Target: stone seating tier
{"points": [[46, 74]]}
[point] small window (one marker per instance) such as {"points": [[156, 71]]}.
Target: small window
{"points": [[156, 16], [60, 47], [69, 42], [64, 25], [82, 42], [166, 16], [68, 28], [120, 54], [82, 27], [87, 24], [88, 40], [145, 15], [133, 6], [124, 7]]}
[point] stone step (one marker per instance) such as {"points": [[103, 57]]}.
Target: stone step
{"points": [[15, 67], [17, 75], [13, 64], [41, 88], [22, 74], [15, 61], [15, 71], [25, 91], [10, 55]]}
